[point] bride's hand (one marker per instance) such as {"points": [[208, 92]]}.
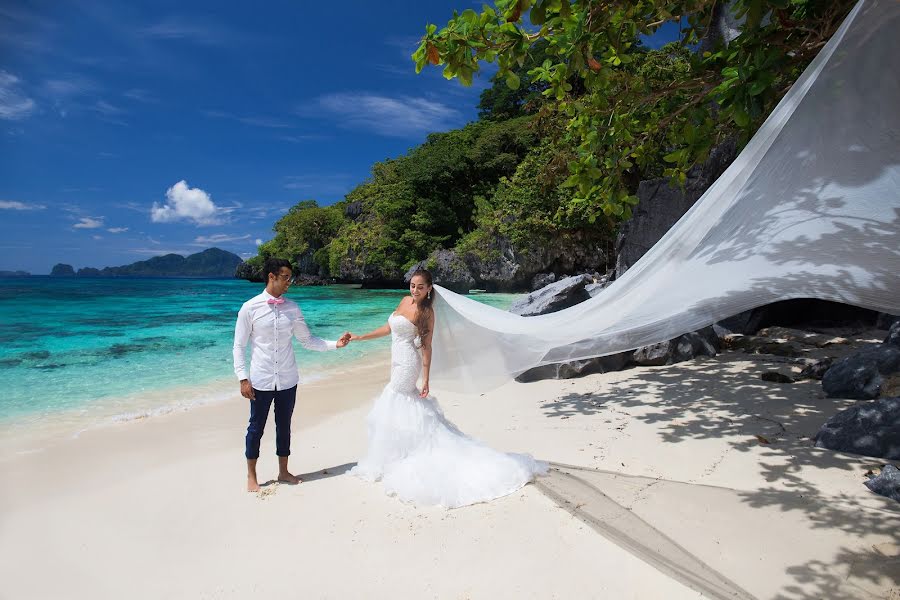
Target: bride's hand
{"points": [[425, 390]]}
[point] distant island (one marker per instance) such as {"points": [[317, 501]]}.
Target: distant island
{"points": [[15, 274], [212, 263]]}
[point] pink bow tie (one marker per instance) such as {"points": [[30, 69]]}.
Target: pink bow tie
{"points": [[275, 301]]}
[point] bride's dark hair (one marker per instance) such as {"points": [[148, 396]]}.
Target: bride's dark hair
{"points": [[423, 315]]}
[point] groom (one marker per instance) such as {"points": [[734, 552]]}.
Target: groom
{"points": [[268, 322]]}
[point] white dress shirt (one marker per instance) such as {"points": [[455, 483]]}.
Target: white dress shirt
{"points": [[269, 328]]}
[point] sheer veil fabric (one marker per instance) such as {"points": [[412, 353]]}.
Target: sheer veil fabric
{"points": [[809, 209]]}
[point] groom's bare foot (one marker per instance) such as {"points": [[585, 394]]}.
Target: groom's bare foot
{"points": [[286, 477], [252, 484]]}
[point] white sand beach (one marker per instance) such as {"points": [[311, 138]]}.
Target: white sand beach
{"points": [[685, 481]]}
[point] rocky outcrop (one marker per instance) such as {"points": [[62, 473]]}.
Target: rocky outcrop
{"points": [[661, 204], [869, 428], [62, 270], [447, 269], [862, 374], [305, 264], [800, 312], [685, 347], [353, 210], [542, 280], [893, 336], [506, 268], [251, 271], [885, 320], [554, 297], [576, 368], [886, 483], [817, 369], [355, 268]]}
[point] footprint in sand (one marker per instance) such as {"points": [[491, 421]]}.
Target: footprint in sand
{"points": [[265, 492]]}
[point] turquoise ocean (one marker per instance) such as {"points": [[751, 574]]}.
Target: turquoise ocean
{"points": [[90, 350]]}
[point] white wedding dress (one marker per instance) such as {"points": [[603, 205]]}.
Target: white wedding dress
{"points": [[419, 455]]}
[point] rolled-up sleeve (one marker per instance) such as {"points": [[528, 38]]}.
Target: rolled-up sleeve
{"points": [[241, 338], [307, 339]]}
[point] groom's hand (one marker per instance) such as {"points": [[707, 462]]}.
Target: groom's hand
{"points": [[247, 390], [345, 339]]}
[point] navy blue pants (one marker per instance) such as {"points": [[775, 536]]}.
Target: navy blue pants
{"points": [[259, 413]]}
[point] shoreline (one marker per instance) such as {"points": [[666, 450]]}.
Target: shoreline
{"points": [[22, 435], [659, 478]]}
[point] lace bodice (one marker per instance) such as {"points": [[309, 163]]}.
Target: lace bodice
{"points": [[406, 359]]}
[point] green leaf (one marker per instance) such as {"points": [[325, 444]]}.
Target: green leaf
{"points": [[741, 118], [512, 81], [673, 157], [757, 88]]}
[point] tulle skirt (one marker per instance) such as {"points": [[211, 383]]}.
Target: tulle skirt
{"points": [[422, 458]]}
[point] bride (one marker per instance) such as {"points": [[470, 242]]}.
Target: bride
{"points": [[418, 454]]}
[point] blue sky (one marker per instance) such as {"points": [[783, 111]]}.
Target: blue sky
{"points": [[133, 129]]}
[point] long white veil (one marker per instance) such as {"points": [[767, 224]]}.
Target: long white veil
{"points": [[810, 208]]}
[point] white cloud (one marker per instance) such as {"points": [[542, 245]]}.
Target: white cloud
{"points": [[259, 242], [179, 28], [141, 96], [89, 223], [186, 204], [74, 86], [105, 108], [97, 237], [333, 184], [219, 238], [14, 104], [254, 121], [299, 139], [402, 116], [117, 229], [13, 205], [161, 251]]}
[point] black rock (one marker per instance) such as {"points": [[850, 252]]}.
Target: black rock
{"points": [[447, 269], [817, 369], [703, 342], [250, 271], [353, 210], [798, 313], [594, 288], [576, 368], [869, 428], [542, 280], [887, 483], [885, 320], [660, 205], [893, 337], [554, 297], [861, 374], [776, 377], [654, 355]]}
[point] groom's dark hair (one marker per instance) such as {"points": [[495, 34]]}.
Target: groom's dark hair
{"points": [[274, 265]]}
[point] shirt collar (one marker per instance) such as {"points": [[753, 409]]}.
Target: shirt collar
{"points": [[266, 295]]}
